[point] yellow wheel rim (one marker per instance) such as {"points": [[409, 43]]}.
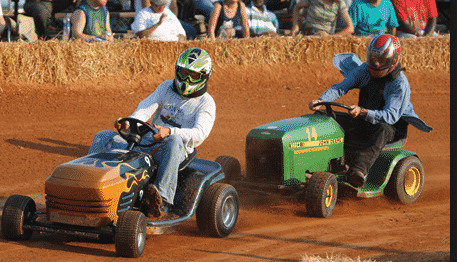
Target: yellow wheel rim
{"points": [[330, 196], [412, 181]]}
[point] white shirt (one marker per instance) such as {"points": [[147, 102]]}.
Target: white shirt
{"points": [[167, 31], [190, 118], [261, 22]]}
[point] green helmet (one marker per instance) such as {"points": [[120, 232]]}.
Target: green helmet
{"points": [[192, 72]]}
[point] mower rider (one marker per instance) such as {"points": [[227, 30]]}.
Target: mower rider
{"points": [[384, 109], [183, 113]]}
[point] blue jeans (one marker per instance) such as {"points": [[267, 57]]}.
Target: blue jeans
{"points": [[170, 154], [204, 7], [191, 32]]}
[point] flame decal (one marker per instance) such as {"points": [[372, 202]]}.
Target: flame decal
{"points": [[134, 181]]}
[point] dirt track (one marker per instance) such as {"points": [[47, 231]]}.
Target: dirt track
{"points": [[43, 126]]}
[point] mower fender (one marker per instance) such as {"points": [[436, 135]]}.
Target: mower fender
{"points": [[200, 174], [381, 171]]}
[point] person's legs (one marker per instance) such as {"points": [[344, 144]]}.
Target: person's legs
{"points": [[204, 7], [376, 137], [41, 13], [379, 135], [191, 32], [170, 154], [106, 140], [402, 34], [363, 144]]}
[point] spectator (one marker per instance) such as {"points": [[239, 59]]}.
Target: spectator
{"points": [[191, 32], [204, 7], [384, 110], [183, 113], [417, 18], [157, 22], [321, 17], [339, 21], [3, 28], [372, 17], [42, 11], [260, 20], [229, 10], [91, 22]]}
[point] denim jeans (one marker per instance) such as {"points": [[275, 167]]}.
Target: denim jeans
{"points": [[169, 155], [204, 7], [190, 30]]}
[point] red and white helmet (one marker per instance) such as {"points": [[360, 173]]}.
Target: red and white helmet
{"points": [[383, 54]]}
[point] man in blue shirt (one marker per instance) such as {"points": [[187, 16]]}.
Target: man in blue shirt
{"points": [[371, 17], [384, 110]]}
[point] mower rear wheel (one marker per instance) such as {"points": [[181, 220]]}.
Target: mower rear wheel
{"points": [[231, 168], [18, 210], [130, 237], [321, 194], [218, 210], [407, 181]]}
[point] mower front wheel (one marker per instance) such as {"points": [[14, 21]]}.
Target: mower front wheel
{"points": [[130, 236], [321, 194], [18, 210]]}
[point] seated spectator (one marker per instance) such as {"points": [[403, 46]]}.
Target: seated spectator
{"points": [[191, 32], [3, 28], [157, 22], [260, 20], [90, 22], [42, 11], [372, 17], [321, 17], [204, 7], [339, 21], [229, 12], [416, 18]]}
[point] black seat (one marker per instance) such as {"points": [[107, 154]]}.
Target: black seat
{"points": [[188, 160], [395, 144]]}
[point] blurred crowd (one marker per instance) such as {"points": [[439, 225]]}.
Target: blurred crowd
{"points": [[180, 20]]}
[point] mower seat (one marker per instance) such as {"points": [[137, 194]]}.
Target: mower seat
{"points": [[395, 144], [188, 160]]}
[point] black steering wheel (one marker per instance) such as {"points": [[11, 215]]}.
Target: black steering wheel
{"points": [[329, 110], [138, 129]]}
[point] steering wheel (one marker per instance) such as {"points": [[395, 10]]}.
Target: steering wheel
{"points": [[329, 110], [138, 129]]}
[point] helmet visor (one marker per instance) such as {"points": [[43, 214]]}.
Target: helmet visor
{"points": [[184, 74], [379, 63]]}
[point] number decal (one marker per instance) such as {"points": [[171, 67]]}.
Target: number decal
{"points": [[312, 134], [147, 160]]}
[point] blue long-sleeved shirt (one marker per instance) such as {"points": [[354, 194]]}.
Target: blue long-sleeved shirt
{"points": [[396, 94]]}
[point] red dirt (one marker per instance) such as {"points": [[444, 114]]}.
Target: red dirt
{"points": [[44, 126]]}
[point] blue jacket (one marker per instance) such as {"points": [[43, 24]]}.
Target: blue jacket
{"points": [[396, 93]]}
